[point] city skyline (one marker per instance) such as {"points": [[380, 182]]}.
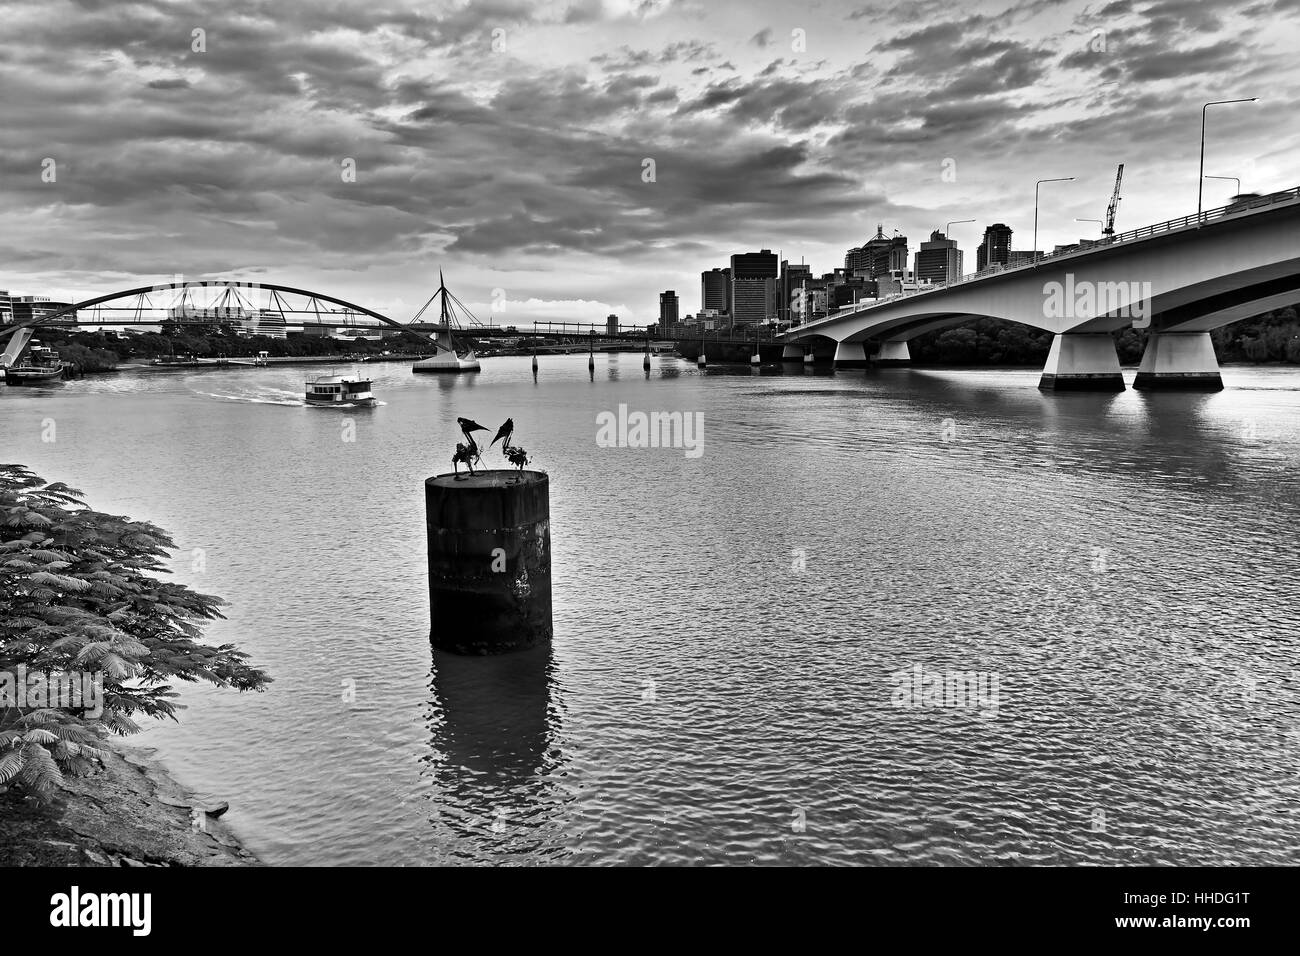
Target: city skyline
{"points": [[766, 130]]}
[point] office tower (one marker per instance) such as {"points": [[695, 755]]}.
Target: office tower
{"points": [[792, 278], [878, 256], [715, 290], [938, 260], [667, 310], [753, 287], [996, 247]]}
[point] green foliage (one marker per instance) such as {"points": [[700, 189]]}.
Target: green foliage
{"points": [[205, 341], [1271, 337], [88, 359], [80, 591]]}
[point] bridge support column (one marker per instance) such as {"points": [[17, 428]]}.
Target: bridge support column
{"points": [[850, 355], [892, 355], [792, 353], [1179, 360], [1082, 362]]}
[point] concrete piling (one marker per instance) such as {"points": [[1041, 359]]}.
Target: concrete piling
{"points": [[489, 561]]}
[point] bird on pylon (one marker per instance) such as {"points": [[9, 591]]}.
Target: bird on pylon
{"points": [[467, 452], [505, 431]]}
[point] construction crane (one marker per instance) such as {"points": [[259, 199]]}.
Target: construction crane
{"points": [[1114, 204]]}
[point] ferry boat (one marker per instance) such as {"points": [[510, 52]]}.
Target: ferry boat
{"points": [[42, 365], [339, 390]]}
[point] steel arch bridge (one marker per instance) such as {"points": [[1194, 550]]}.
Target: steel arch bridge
{"points": [[214, 302]]}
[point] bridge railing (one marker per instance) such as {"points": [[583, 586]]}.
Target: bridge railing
{"points": [[1145, 232]]}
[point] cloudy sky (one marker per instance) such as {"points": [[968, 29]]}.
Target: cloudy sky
{"points": [[507, 142]]}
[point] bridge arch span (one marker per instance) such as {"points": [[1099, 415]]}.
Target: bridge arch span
{"points": [[234, 286]]}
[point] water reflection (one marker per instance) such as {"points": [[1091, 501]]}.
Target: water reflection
{"points": [[495, 755]]}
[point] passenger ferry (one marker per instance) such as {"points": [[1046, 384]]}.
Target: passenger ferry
{"points": [[339, 390]]}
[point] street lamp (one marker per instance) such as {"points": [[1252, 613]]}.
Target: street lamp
{"points": [[1233, 179], [1097, 221], [1200, 183], [1063, 179], [955, 222]]}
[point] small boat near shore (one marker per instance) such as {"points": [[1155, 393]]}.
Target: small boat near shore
{"points": [[41, 365], [340, 390], [173, 361]]}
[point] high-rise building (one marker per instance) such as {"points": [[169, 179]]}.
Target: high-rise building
{"points": [[6, 308], [792, 278], [996, 247], [938, 260], [667, 311], [715, 290], [611, 320], [878, 256], [753, 287]]}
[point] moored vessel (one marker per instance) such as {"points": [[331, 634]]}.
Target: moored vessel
{"points": [[41, 364]]}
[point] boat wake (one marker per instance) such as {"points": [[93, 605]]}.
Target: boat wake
{"points": [[270, 397]]}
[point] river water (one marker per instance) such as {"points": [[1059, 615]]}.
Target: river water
{"points": [[1120, 572]]}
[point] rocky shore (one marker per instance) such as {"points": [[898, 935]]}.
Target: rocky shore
{"points": [[130, 813]]}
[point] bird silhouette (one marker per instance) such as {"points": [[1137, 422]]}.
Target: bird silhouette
{"points": [[505, 431], [468, 425], [468, 452]]}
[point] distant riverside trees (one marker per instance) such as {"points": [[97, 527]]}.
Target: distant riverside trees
{"points": [[1272, 337], [82, 600], [103, 350]]}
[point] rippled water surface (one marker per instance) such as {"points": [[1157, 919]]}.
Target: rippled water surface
{"points": [[728, 628]]}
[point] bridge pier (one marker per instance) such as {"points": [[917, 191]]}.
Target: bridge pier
{"points": [[1179, 360], [850, 355], [792, 353], [1082, 362], [892, 355]]}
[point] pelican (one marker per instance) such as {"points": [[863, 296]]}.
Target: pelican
{"points": [[467, 451], [514, 454], [505, 431]]}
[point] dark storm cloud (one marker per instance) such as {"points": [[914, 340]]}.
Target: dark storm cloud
{"points": [[232, 157], [1160, 41]]}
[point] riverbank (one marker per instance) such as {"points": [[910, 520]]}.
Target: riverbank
{"points": [[129, 813]]}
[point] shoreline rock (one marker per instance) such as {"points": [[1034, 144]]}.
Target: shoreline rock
{"points": [[128, 813]]}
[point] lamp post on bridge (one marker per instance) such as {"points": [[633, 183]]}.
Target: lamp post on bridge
{"points": [[946, 228], [1200, 182], [1097, 221], [1230, 179], [1062, 179]]}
